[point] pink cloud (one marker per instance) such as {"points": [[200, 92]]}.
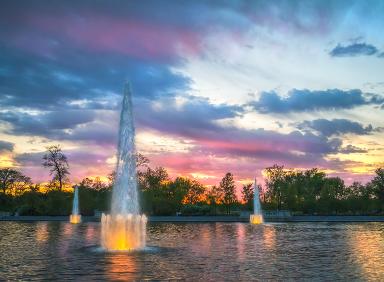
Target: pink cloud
{"points": [[100, 33]]}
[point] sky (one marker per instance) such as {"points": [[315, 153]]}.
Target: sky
{"points": [[217, 86]]}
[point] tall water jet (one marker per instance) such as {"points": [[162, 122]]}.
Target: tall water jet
{"points": [[124, 228], [75, 217], [257, 216]]}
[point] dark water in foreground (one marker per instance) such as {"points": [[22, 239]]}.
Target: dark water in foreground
{"points": [[196, 251]]}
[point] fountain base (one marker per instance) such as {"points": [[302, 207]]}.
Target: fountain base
{"points": [[123, 232], [75, 218], [256, 219]]}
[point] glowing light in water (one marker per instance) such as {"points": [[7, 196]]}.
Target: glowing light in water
{"points": [[257, 216], [124, 228], [75, 217], [123, 232]]}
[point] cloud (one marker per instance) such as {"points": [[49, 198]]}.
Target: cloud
{"points": [[307, 100], [192, 117], [350, 149], [353, 50], [47, 123], [205, 124], [63, 66], [336, 127], [36, 82], [6, 146]]}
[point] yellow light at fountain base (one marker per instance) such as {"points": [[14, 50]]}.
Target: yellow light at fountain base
{"points": [[256, 219], [123, 232], [75, 218]]}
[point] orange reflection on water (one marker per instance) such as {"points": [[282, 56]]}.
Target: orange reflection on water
{"points": [[122, 267], [368, 251], [42, 232], [269, 236]]}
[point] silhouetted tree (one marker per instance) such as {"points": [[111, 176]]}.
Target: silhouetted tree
{"points": [[11, 179], [141, 160], [275, 181], [214, 196], [247, 195], [194, 193], [377, 184], [56, 161], [227, 185]]}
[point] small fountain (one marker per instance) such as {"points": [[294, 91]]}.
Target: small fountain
{"points": [[75, 217], [257, 216], [124, 228]]}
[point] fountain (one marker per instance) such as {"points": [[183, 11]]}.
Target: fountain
{"points": [[75, 217], [257, 216], [124, 228]]}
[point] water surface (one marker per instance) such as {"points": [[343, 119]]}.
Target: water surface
{"points": [[196, 251]]}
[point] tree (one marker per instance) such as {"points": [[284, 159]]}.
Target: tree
{"points": [[378, 185], [141, 160], [274, 182], [11, 179], [247, 192], [227, 185], [194, 193], [214, 196], [154, 184], [56, 161]]}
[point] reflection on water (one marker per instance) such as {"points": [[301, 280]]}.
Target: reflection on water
{"points": [[42, 231], [240, 239], [205, 251], [90, 232], [269, 237], [121, 267], [367, 247]]}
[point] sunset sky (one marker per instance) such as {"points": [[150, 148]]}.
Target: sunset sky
{"points": [[217, 85]]}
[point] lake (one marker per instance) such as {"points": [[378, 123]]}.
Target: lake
{"points": [[196, 251]]}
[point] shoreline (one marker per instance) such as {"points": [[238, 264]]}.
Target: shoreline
{"points": [[207, 219]]}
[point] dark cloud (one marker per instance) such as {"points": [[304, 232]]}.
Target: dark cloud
{"points": [[193, 117], [307, 100], [353, 50], [74, 125], [204, 123], [6, 146], [47, 123], [43, 83], [336, 127]]}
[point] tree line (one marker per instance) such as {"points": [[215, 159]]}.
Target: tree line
{"points": [[300, 191]]}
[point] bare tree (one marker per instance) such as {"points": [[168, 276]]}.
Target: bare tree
{"points": [[56, 161], [141, 161]]}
